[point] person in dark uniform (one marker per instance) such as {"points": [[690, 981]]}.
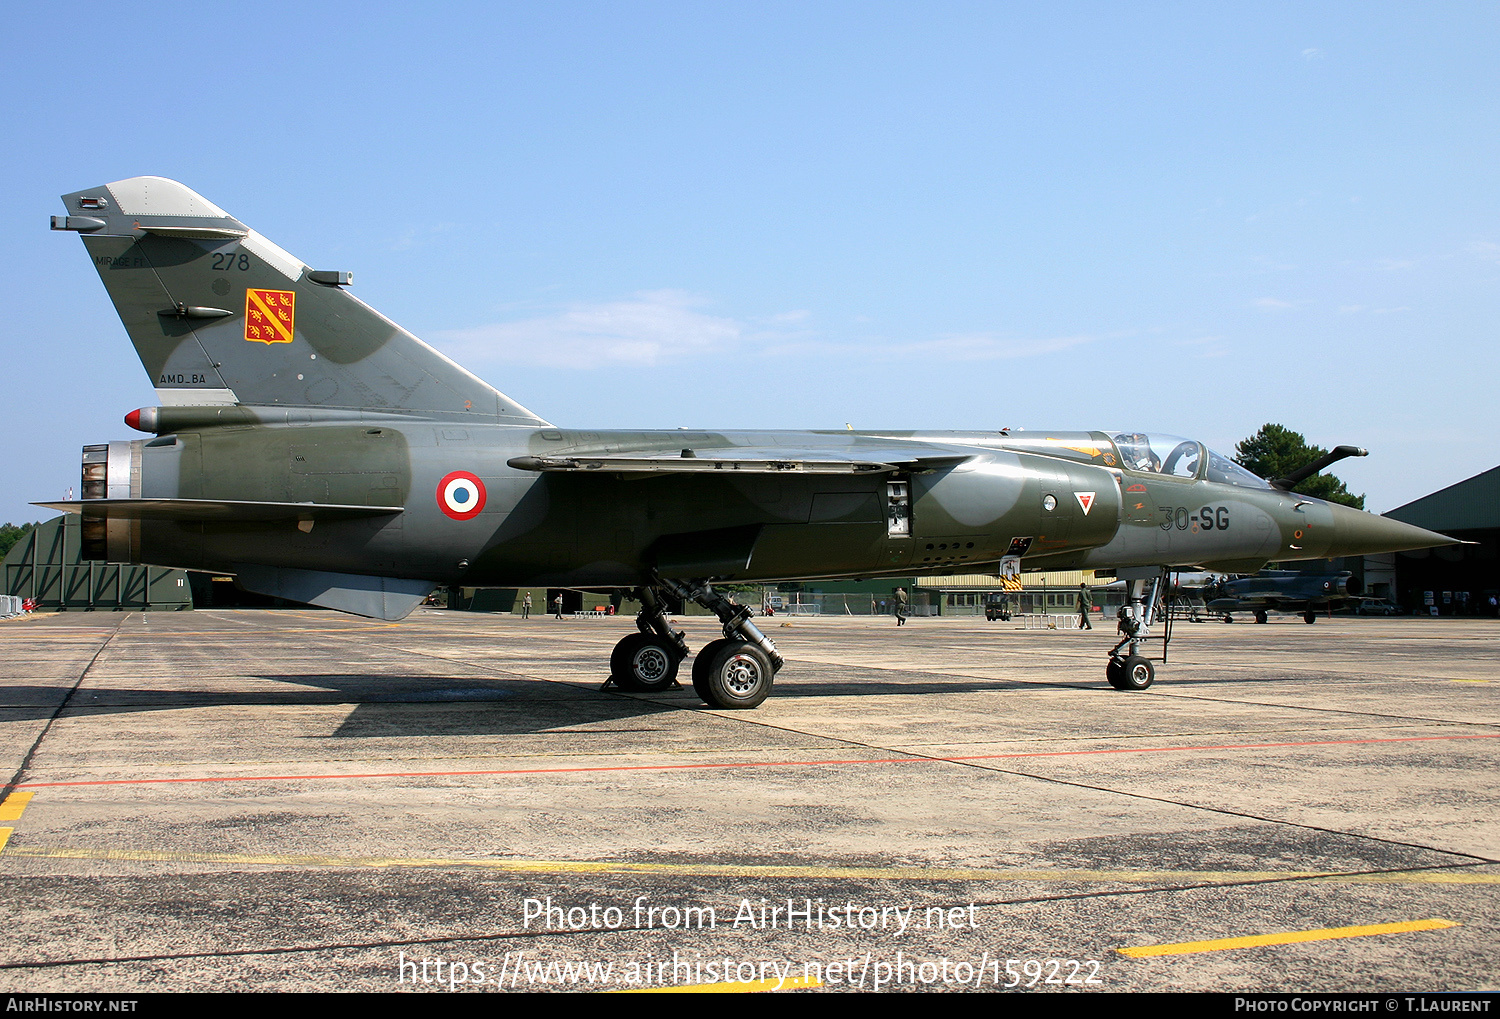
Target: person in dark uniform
{"points": [[1085, 606], [900, 606], [526, 606]]}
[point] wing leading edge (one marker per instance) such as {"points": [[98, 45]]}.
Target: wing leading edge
{"points": [[853, 459]]}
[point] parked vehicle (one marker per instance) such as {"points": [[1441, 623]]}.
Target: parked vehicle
{"points": [[997, 607]]}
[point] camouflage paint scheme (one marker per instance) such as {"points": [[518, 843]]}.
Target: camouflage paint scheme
{"points": [[1285, 591], [311, 467]]}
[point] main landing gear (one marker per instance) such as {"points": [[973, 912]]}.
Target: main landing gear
{"points": [[735, 671], [1132, 670]]}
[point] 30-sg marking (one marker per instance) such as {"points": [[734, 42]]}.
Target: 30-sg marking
{"points": [[1209, 518]]}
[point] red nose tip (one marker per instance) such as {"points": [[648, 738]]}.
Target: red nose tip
{"points": [[133, 419]]}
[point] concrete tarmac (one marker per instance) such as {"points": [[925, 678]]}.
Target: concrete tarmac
{"points": [[298, 800]]}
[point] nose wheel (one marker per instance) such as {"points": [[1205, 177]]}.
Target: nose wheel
{"points": [[1130, 673]]}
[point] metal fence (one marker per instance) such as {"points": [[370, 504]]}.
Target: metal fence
{"points": [[1045, 621], [842, 605]]}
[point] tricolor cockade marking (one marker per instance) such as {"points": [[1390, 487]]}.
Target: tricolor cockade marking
{"points": [[461, 495]]}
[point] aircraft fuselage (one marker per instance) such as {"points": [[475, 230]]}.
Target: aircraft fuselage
{"points": [[608, 528]]}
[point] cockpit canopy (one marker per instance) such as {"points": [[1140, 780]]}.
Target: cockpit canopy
{"points": [[1176, 457], [1171, 455]]}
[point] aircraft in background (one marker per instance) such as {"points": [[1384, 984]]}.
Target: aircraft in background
{"points": [[1282, 591], [319, 452]]}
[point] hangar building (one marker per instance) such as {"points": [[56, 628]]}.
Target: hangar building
{"points": [[1458, 580]]}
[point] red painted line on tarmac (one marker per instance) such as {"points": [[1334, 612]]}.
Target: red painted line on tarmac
{"points": [[739, 764]]}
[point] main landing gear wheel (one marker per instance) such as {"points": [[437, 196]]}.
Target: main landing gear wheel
{"points": [[1309, 617], [1260, 615], [737, 674], [644, 663], [1132, 673], [701, 661]]}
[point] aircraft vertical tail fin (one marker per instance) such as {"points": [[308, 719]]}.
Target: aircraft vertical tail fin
{"points": [[219, 314]]}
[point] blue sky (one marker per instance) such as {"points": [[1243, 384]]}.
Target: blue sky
{"points": [[1183, 218]]}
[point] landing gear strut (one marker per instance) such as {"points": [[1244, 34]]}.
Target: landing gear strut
{"points": [[1131, 670], [646, 662], [735, 671]]}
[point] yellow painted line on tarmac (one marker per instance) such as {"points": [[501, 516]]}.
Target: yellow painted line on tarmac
{"points": [[4, 837], [747, 871], [1287, 938], [14, 805], [733, 987]]}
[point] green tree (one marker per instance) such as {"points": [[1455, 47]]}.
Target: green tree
{"points": [[10, 534], [1276, 451]]}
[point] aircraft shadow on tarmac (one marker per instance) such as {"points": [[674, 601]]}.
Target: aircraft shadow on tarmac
{"points": [[383, 705]]}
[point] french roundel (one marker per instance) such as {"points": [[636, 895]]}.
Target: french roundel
{"points": [[461, 495]]}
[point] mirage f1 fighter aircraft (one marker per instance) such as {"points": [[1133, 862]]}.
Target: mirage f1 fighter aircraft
{"points": [[319, 452], [1282, 590]]}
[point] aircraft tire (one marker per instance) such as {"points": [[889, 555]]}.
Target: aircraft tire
{"points": [[644, 663], [1114, 671], [701, 661], [738, 675], [1134, 673], [1228, 618], [1260, 615], [1309, 617]]}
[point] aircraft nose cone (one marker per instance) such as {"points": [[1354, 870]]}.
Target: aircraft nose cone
{"points": [[1356, 532]]}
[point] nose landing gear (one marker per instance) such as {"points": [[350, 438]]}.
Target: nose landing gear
{"points": [[1132, 670]]}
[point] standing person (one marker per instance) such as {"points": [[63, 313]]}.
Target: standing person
{"points": [[1085, 606], [900, 606], [526, 606], [557, 605]]}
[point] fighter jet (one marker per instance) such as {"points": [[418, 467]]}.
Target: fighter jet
{"points": [[317, 451], [1282, 590]]}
